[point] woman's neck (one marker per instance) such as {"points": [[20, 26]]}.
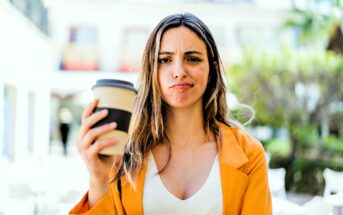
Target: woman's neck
{"points": [[185, 126]]}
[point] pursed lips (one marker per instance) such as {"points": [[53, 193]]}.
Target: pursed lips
{"points": [[182, 85]]}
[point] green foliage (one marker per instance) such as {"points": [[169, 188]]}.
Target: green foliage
{"points": [[313, 24], [306, 175], [306, 135], [334, 144], [310, 24], [278, 147], [268, 82]]}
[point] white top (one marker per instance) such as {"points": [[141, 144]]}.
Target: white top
{"points": [[157, 200]]}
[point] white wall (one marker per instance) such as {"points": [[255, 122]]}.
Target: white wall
{"points": [[2, 119], [111, 17], [24, 51], [25, 65]]}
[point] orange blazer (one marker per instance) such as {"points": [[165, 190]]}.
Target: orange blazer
{"points": [[244, 182]]}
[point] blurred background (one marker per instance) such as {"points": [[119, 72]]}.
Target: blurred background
{"points": [[283, 58]]}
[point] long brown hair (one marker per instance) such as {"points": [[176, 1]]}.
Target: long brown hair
{"points": [[147, 128]]}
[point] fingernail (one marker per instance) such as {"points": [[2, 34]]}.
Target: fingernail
{"points": [[113, 124], [104, 111]]}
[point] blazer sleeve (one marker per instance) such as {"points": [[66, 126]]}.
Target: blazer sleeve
{"points": [[257, 198], [104, 206]]}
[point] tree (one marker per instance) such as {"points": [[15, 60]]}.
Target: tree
{"points": [[290, 89], [319, 22]]}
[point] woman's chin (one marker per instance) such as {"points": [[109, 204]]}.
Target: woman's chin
{"points": [[183, 102], [181, 105]]}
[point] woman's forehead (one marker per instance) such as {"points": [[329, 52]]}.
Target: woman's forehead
{"points": [[181, 38]]}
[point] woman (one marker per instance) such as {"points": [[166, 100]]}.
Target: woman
{"points": [[184, 155]]}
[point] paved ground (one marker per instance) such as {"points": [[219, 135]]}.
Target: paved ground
{"points": [[36, 187]]}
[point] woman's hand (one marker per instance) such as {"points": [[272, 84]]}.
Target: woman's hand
{"points": [[98, 166]]}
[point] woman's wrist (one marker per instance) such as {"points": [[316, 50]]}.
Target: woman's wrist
{"points": [[97, 189]]}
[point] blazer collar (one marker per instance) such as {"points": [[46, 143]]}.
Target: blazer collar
{"points": [[233, 181], [132, 198], [231, 152]]}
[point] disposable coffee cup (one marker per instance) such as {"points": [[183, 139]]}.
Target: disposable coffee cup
{"points": [[118, 98]]}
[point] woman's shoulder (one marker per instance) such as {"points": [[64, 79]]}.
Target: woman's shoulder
{"points": [[237, 141], [242, 137]]}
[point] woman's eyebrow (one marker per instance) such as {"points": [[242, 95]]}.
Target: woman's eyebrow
{"points": [[193, 52], [166, 52], [186, 53]]}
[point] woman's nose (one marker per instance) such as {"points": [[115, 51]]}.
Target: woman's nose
{"points": [[179, 71]]}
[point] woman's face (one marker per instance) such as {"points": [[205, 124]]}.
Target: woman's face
{"points": [[183, 68]]}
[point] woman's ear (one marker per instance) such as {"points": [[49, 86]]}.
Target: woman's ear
{"points": [[216, 66]]}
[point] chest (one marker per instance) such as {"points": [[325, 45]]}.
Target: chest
{"points": [[233, 187], [186, 172], [160, 199]]}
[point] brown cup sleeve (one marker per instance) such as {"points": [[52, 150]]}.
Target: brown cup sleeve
{"points": [[121, 117]]}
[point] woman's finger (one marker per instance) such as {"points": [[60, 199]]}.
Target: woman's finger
{"points": [[98, 146], [94, 133], [92, 120], [89, 110]]}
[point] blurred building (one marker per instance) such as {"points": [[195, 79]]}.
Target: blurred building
{"points": [[58, 49]]}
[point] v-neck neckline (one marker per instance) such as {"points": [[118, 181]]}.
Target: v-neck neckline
{"points": [[195, 195]]}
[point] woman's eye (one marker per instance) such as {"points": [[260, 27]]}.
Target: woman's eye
{"points": [[193, 59], [163, 60]]}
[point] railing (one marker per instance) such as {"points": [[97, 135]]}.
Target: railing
{"points": [[35, 11]]}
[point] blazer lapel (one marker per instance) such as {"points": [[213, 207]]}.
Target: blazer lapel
{"points": [[133, 199], [233, 181]]}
